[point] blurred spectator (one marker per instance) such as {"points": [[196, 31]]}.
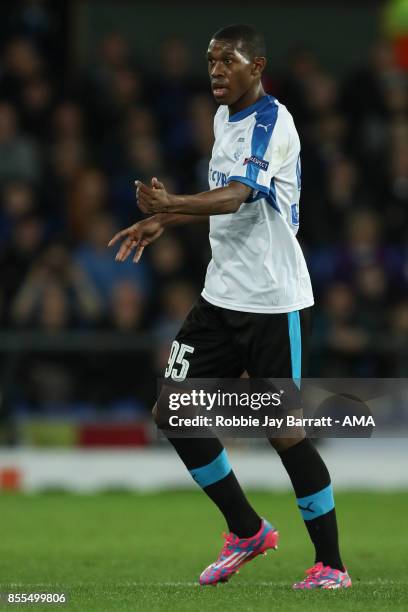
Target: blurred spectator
{"points": [[94, 258], [302, 66], [139, 157], [137, 124], [19, 157], [365, 90], [373, 295], [18, 199], [44, 24], [67, 122], [363, 240], [127, 90], [143, 159], [126, 308], [177, 299], [201, 113], [113, 55], [53, 309], [52, 381], [68, 161], [127, 377], [321, 94], [344, 341], [397, 356], [168, 259], [396, 195], [367, 101], [111, 85], [87, 200], [53, 378], [56, 294], [27, 238], [171, 94], [36, 104], [22, 62]]}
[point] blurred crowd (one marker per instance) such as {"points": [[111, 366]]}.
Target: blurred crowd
{"points": [[72, 142]]}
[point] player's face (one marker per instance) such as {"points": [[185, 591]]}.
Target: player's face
{"points": [[232, 73]]}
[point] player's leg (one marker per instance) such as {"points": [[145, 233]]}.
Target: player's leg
{"points": [[281, 343], [314, 497], [207, 349], [210, 354]]}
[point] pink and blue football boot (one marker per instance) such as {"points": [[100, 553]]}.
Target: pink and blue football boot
{"points": [[238, 551], [324, 577]]}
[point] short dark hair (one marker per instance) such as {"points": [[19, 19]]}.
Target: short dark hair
{"points": [[252, 41]]}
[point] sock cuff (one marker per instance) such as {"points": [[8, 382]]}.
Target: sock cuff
{"points": [[317, 504], [305, 468], [212, 472]]}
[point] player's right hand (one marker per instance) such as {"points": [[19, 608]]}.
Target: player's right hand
{"points": [[136, 238]]}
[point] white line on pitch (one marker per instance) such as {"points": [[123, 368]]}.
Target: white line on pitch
{"points": [[379, 582]]}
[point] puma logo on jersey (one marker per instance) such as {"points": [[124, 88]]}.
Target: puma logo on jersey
{"points": [[265, 127]]}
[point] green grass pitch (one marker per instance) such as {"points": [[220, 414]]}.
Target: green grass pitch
{"points": [[121, 551]]}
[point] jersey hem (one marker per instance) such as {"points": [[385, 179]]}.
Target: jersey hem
{"points": [[256, 309]]}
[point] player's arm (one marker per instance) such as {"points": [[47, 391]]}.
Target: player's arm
{"points": [[224, 200], [174, 210], [170, 219], [139, 235]]}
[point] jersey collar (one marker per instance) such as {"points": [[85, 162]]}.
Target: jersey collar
{"points": [[254, 108]]}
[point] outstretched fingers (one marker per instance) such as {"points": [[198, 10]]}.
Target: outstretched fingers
{"points": [[126, 248], [139, 251], [118, 236]]}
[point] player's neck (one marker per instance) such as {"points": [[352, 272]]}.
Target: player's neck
{"points": [[249, 98]]}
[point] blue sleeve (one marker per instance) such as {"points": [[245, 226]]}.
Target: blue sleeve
{"points": [[251, 183]]}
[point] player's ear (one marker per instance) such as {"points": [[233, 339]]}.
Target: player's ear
{"points": [[259, 64]]}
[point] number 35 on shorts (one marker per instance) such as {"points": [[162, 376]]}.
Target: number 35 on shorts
{"points": [[178, 365]]}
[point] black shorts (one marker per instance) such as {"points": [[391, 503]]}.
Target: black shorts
{"points": [[215, 342]]}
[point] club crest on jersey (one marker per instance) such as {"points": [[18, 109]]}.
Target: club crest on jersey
{"points": [[238, 153], [240, 149], [255, 161]]}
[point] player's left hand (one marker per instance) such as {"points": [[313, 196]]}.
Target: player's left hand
{"points": [[152, 199]]}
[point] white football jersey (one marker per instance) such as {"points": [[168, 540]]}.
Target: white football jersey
{"points": [[257, 264]]}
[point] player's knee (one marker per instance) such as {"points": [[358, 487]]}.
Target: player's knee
{"points": [[155, 413], [161, 412], [283, 444], [159, 416]]}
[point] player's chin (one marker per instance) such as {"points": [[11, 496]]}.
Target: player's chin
{"points": [[222, 95]]}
